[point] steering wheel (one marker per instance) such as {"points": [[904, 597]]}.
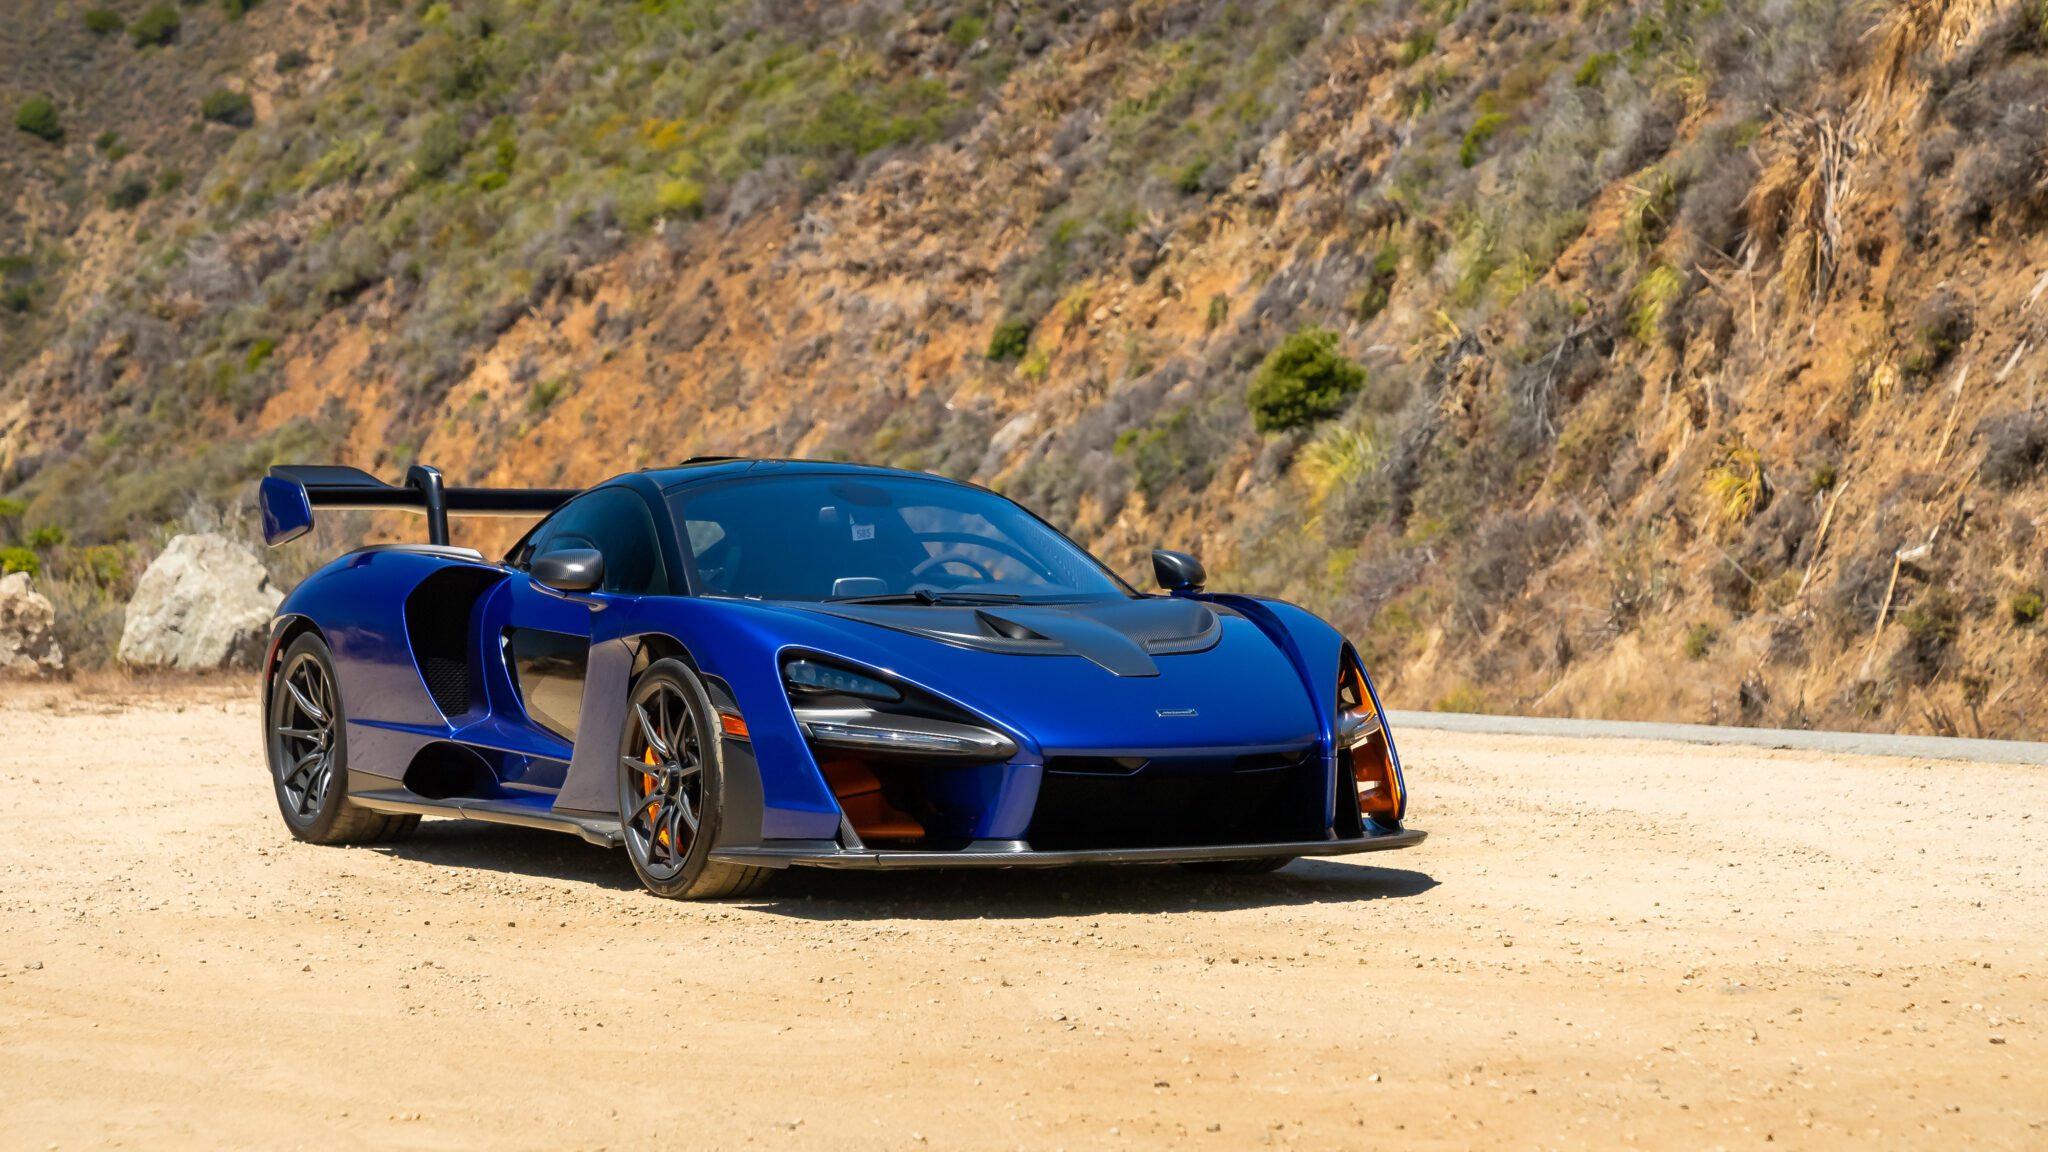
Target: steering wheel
{"points": [[945, 558]]}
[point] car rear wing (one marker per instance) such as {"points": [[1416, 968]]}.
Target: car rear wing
{"points": [[290, 493]]}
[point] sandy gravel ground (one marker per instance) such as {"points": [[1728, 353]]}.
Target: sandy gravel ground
{"points": [[1604, 944]]}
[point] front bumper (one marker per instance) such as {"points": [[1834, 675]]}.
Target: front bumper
{"points": [[1017, 854]]}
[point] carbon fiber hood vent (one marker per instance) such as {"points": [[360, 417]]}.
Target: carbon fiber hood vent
{"points": [[1121, 636]]}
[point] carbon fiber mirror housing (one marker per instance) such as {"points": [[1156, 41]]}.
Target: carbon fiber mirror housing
{"points": [[570, 569], [1178, 571]]}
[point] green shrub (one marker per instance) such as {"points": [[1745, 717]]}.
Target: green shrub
{"points": [[258, 353], [2025, 606], [965, 31], [107, 141], [1594, 69], [14, 560], [159, 25], [129, 193], [545, 393], [1219, 311], [1379, 286], [1304, 380], [1416, 47], [17, 298], [441, 147], [171, 180], [104, 22], [290, 60], [46, 536], [234, 9], [1482, 130], [1011, 340], [1698, 639], [37, 116], [227, 106]]}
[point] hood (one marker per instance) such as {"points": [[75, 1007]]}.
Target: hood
{"points": [[1143, 675], [1119, 636]]}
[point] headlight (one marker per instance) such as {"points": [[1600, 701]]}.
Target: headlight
{"points": [[808, 676], [1362, 746], [840, 708], [867, 730]]}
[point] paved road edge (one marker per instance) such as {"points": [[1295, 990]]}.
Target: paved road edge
{"points": [[1846, 743]]}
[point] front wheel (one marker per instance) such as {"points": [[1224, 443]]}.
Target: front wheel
{"points": [[671, 784], [308, 749]]}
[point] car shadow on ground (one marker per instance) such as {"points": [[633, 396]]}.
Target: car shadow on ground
{"points": [[1041, 893], [503, 848], [961, 894]]}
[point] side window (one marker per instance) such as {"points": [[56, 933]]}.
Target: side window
{"points": [[615, 521]]}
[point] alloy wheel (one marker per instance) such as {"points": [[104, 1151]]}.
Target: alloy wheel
{"points": [[667, 782]]}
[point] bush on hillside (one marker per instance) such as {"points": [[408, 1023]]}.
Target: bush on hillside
{"points": [[1304, 380], [1011, 339], [104, 22], [227, 106], [14, 560], [129, 193], [37, 116], [157, 26]]}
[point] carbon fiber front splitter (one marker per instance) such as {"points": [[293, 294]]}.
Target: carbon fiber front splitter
{"points": [[1014, 854]]}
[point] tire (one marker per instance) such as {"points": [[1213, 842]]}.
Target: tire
{"points": [[1258, 867], [672, 787], [307, 746]]}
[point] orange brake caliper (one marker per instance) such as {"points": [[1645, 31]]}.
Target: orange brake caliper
{"points": [[653, 813]]}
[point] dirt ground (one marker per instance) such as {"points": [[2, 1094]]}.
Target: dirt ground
{"points": [[1603, 944]]}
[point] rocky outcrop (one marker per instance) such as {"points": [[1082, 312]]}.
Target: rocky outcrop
{"points": [[204, 604], [28, 634]]}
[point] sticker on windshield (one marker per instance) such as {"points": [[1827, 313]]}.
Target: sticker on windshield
{"points": [[863, 531]]}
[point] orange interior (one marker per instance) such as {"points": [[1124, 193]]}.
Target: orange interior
{"points": [[860, 796]]}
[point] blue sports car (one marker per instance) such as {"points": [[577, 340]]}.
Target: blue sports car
{"points": [[734, 666]]}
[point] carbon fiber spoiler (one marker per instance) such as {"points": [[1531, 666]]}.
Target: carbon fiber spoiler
{"points": [[290, 493]]}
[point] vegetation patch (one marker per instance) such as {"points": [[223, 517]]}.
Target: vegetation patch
{"points": [[1305, 380], [37, 116]]}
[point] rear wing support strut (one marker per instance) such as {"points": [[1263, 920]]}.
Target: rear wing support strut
{"points": [[290, 493]]}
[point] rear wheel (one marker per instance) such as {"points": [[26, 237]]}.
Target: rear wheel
{"points": [[1258, 867], [308, 749], [671, 785]]}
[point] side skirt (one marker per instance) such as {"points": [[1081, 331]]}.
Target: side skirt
{"points": [[595, 827]]}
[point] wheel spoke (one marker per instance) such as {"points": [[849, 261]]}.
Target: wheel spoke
{"points": [[296, 776], [689, 771], [302, 733], [310, 798], [311, 710], [686, 811], [649, 730]]}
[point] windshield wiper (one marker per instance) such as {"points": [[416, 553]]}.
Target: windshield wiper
{"points": [[927, 596]]}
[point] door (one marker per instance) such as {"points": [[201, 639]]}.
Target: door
{"points": [[546, 643]]}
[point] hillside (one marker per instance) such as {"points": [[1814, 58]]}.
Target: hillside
{"points": [[1671, 359]]}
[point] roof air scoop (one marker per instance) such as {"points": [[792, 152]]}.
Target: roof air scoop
{"points": [[994, 625]]}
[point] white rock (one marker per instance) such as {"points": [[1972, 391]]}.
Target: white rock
{"points": [[28, 635], [204, 604]]}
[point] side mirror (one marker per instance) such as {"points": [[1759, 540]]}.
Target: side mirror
{"points": [[1178, 571], [570, 569]]}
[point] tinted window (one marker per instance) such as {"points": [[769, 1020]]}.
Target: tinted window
{"points": [[821, 537], [616, 522]]}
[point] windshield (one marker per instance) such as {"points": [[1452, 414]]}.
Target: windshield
{"points": [[827, 537]]}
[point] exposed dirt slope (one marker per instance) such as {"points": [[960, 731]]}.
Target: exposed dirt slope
{"points": [[1682, 322], [1603, 944]]}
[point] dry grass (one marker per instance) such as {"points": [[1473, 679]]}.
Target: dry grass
{"points": [[1913, 27], [1801, 195], [1736, 485]]}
